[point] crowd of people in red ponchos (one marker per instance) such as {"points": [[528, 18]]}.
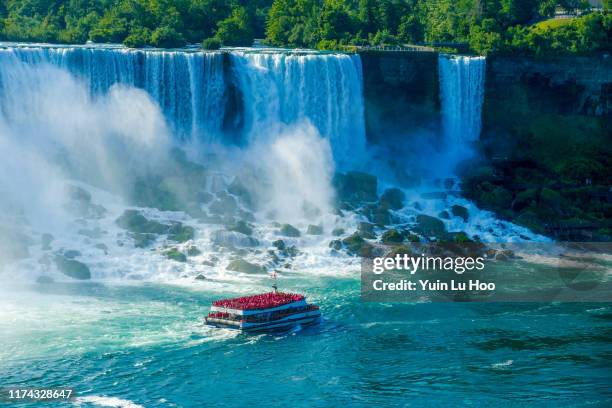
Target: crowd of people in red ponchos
{"points": [[263, 301]]}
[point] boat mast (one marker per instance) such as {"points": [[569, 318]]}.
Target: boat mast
{"points": [[274, 285]]}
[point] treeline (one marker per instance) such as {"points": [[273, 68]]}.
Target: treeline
{"points": [[485, 26]]}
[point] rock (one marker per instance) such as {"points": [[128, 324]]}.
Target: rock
{"points": [[44, 280], [356, 187], [366, 230], [460, 211], [459, 237], [134, 221], [179, 232], [240, 265], [314, 230], [417, 206], [72, 253], [142, 240], [410, 237], [289, 230], [336, 232], [392, 199], [356, 245], [427, 225], [238, 189], [72, 268], [242, 227], [175, 255], [399, 250], [200, 277], [335, 244], [232, 239], [291, 251], [444, 215], [45, 241], [208, 263], [392, 236], [193, 251], [279, 244]]}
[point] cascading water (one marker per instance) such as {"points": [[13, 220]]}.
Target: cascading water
{"points": [[461, 93], [188, 86], [283, 88]]}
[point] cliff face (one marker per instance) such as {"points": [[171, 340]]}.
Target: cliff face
{"points": [[401, 92]]}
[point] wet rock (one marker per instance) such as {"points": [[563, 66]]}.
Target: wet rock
{"points": [[200, 277], [336, 232], [459, 237], [179, 232], [291, 251], [279, 244], [242, 227], [193, 251], [366, 230], [142, 240], [356, 245], [444, 215], [417, 206], [460, 211], [208, 263], [399, 250], [430, 226], [72, 268], [175, 255], [356, 187], [134, 221], [238, 189], [240, 265], [392, 236], [392, 199], [314, 230], [289, 230], [335, 244]]}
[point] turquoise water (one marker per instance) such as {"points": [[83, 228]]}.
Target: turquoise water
{"points": [[145, 344]]}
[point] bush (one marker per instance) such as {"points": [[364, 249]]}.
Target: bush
{"points": [[167, 37], [211, 43]]}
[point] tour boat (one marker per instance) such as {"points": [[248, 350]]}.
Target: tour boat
{"points": [[266, 312]]}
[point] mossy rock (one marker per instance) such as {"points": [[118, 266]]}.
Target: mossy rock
{"points": [[289, 230], [179, 232], [428, 225], [366, 230], [175, 255], [72, 268], [314, 230], [134, 221], [460, 211], [392, 199], [459, 237], [392, 236], [240, 265], [142, 240], [242, 227], [356, 245]]}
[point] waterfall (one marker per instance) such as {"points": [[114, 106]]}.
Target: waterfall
{"points": [[282, 88], [188, 86], [462, 93]]}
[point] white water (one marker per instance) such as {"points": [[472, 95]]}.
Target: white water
{"points": [[461, 94]]}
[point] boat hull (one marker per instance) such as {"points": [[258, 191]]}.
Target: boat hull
{"points": [[285, 324]]}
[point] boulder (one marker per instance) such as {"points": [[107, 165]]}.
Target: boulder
{"points": [[134, 221], [356, 245], [142, 240], [179, 232], [460, 211], [240, 265], [366, 230], [444, 215], [428, 225], [392, 199], [193, 251], [223, 205], [238, 189], [314, 230], [392, 236], [232, 239], [335, 244], [175, 255], [200, 277], [72, 268], [279, 244], [289, 230], [336, 232]]}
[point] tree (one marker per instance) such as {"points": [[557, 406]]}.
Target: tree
{"points": [[235, 30]]}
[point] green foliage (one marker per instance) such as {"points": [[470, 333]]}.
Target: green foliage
{"points": [[483, 26]]}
